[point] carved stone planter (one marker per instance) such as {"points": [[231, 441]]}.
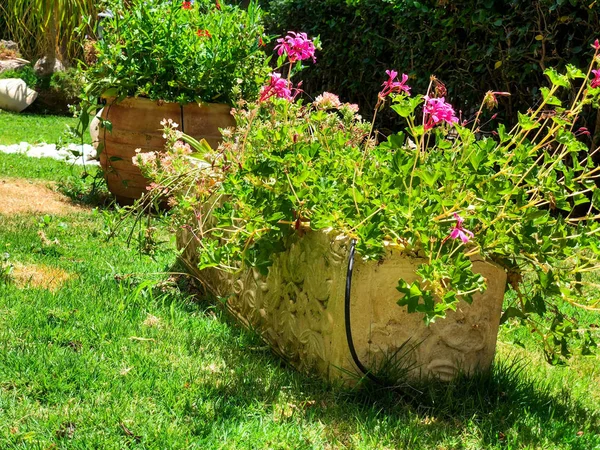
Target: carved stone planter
{"points": [[299, 309]]}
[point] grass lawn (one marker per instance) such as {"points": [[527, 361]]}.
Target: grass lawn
{"points": [[122, 355], [34, 129]]}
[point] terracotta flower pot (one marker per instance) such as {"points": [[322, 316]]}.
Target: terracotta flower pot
{"points": [[136, 124], [300, 310]]}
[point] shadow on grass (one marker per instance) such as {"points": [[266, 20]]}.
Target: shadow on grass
{"points": [[503, 407]]}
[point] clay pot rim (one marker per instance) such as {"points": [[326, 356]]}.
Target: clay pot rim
{"points": [[113, 99]]}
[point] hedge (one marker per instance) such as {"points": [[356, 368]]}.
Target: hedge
{"points": [[471, 45]]}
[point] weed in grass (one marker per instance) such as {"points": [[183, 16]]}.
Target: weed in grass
{"points": [[87, 187], [6, 268]]}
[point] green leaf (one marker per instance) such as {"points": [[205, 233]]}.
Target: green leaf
{"points": [[556, 78], [550, 99], [511, 312], [527, 123]]}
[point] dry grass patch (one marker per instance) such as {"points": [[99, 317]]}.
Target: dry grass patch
{"points": [[39, 276], [20, 196]]}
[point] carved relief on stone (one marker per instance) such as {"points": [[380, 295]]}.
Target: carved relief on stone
{"points": [[464, 341], [298, 309]]}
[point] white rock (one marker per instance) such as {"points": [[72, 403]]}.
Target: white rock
{"points": [[46, 66], [72, 153], [15, 95]]}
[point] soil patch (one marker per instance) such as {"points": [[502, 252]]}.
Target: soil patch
{"points": [[39, 276], [20, 196]]}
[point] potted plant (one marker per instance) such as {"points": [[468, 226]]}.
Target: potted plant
{"points": [[435, 222], [182, 60]]}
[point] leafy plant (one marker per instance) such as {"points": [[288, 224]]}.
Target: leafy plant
{"points": [[179, 52], [26, 73], [6, 268], [69, 83], [441, 189]]}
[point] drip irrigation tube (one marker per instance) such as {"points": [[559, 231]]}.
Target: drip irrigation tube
{"points": [[349, 339]]}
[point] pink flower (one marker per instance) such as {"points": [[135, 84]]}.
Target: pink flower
{"points": [[277, 87], [393, 86], [459, 232], [181, 148], [353, 107], [582, 131], [596, 81], [327, 100], [437, 110], [596, 45], [296, 46]]}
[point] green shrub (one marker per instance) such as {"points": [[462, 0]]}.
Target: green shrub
{"points": [[176, 51], [26, 73], [69, 83], [471, 45]]}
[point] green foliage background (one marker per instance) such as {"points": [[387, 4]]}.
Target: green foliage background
{"points": [[471, 45], [151, 49]]}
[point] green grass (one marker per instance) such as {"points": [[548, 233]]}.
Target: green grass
{"points": [[82, 368], [34, 129]]}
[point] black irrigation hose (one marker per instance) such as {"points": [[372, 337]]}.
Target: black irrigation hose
{"points": [[359, 364]]}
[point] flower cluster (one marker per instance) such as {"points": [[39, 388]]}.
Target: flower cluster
{"points": [[296, 46], [596, 80], [392, 86], [459, 231], [437, 110], [277, 87], [327, 100]]}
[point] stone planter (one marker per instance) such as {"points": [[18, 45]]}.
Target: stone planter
{"points": [[136, 124], [299, 309], [15, 95]]}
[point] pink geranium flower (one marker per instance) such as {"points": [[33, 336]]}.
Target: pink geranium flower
{"points": [[596, 81], [437, 110], [327, 100], [393, 86], [296, 46], [277, 87], [459, 232], [596, 45]]}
